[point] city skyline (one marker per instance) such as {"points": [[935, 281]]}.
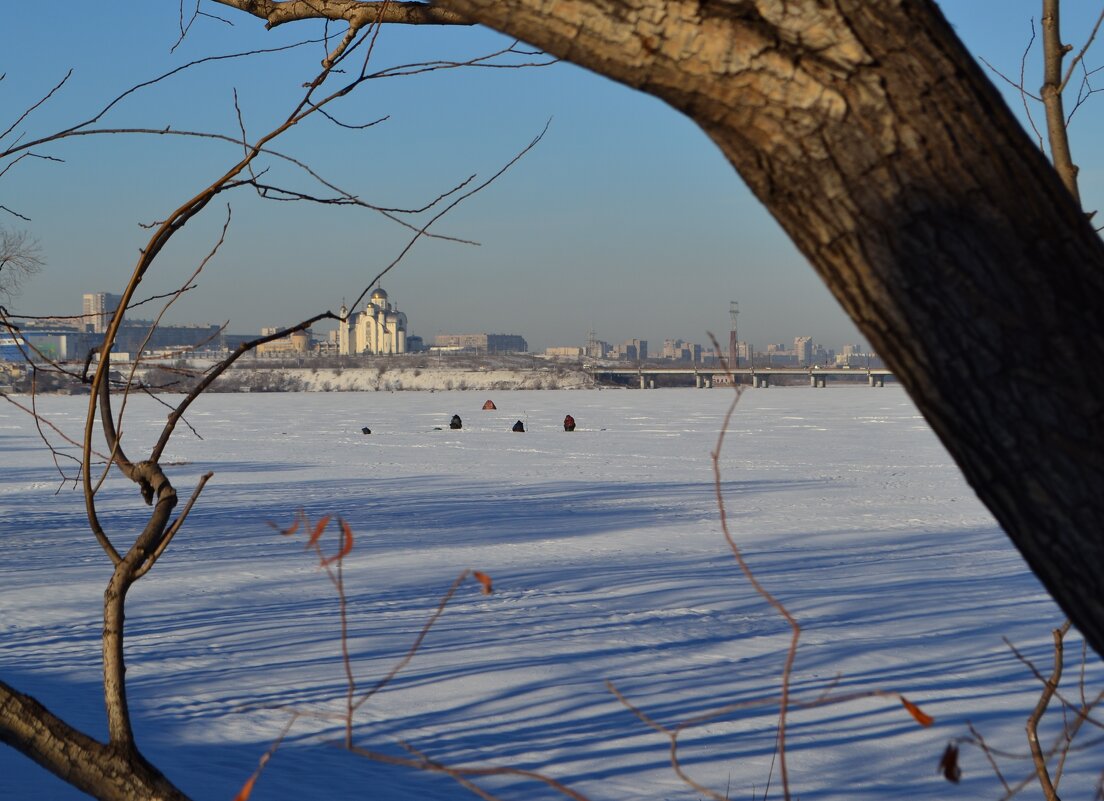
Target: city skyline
{"points": [[98, 306], [625, 219], [380, 331]]}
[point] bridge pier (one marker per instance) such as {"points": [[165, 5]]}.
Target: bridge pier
{"points": [[642, 385], [876, 380], [762, 381], [818, 380], [697, 381]]}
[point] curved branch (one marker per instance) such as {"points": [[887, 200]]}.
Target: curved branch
{"points": [[175, 527], [1081, 54], [356, 12], [1049, 688]]}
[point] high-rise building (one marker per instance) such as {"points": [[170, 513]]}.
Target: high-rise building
{"points": [[803, 350], [680, 351], [635, 350], [97, 309], [596, 348]]}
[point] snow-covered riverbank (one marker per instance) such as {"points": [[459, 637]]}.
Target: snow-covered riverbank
{"points": [[429, 378]]}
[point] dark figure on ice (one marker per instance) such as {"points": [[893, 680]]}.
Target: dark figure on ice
{"points": [[366, 430], [569, 423], [456, 422], [518, 426]]}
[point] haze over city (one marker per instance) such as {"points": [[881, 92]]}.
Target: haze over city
{"points": [[624, 220]]}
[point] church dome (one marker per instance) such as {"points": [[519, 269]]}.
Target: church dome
{"points": [[379, 293]]}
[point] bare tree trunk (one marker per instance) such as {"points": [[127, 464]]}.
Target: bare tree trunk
{"points": [[873, 138], [1053, 54]]}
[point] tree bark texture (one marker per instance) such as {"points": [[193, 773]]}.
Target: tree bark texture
{"points": [[873, 138], [103, 771]]}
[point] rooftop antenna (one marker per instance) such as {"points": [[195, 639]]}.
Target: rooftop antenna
{"points": [[733, 339]]}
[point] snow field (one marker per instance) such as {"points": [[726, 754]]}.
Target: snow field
{"points": [[608, 561]]}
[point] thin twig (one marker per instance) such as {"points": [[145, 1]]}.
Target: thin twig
{"points": [[989, 755], [745, 568], [413, 649]]}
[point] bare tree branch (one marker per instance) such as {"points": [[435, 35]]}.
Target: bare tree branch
{"points": [[1050, 687], [356, 12], [20, 258], [78, 128], [31, 109], [421, 231], [1081, 53]]}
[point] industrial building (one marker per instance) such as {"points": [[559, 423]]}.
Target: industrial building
{"points": [[482, 343]]}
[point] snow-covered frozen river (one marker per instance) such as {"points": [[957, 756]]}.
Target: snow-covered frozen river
{"points": [[608, 562]]}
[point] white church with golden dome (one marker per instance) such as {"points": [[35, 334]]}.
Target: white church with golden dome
{"points": [[380, 328]]}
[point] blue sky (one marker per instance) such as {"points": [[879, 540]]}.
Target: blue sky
{"points": [[624, 219]]}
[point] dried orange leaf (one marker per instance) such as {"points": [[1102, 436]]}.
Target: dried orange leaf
{"points": [[287, 532], [318, 529], [346, 543], [921, 717], [948, 765], [483, 579], [247, 789]]}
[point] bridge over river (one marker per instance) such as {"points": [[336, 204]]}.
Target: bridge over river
{"points": [[755, 376]]}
